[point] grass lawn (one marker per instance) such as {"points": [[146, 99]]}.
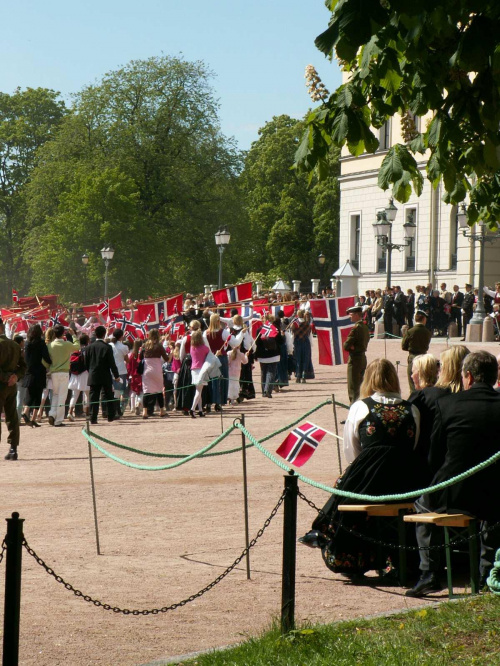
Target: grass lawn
{"points": [[461, 632]]}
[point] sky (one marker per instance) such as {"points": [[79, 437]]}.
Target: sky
{"points": [[257, 49]]}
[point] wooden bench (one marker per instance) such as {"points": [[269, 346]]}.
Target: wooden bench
{"points": [[398, 511], [456, 521]]}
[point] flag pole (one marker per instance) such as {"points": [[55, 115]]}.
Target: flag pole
{"points": [[334, 404]]}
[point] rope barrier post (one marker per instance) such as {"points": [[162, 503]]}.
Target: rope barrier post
{"points": [[12, 606], [289, 553], [397, 367], [92, 483], [334, 405], [385, 345], [245, 495]]}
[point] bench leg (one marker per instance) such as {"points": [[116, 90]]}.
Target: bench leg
{"points": [[448, 562], [473, 561], [403, 575]]}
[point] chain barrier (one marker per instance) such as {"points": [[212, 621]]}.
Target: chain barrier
{"points": [[164, 609], [2, 552], [397, 546]]}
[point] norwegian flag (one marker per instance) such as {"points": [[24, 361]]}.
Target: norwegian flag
{"points": [[268, 330], [107, 307], [125, 322], [57, 318], [15, 296], [261, 306], [333, 325], [141, 328], [234, 294], [301, 443], [176, 328], [288, 309]]}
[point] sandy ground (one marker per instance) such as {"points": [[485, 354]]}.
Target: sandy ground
{"points": [[165, 535]]}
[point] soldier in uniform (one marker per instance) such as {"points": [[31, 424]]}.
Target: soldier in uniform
{"points": [[467, 308], [356, 344], [12, 368], [416, 341]]}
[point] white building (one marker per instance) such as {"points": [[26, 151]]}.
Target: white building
{"points": [[439, 253]]}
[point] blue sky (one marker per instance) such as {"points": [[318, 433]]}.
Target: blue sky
{"points": [[257, 49]]}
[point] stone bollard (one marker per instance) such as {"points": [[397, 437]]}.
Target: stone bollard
{"points": [[379, 331], [474, 332], [488, 331], [453, 329]]}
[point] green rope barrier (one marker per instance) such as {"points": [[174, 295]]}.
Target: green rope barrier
{"points": [[372, 498], [157, 468]]}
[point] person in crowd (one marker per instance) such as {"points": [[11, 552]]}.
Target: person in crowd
{"points": [[301, 331], [388, 312], [282, 371], [410, 307], [21, 391], [152, 353], [49, 337], [356, 344], [268, 355], [429, 390], [79, 375], [60, 351], [463, 437], [399, 307], [236, 360], [457, 300], [168, 380], [176, 367], [416, 341], [120, 352], [218, 339], [35, 378], [135, 377], [440, 311], [380, 438], [377, 306], [185, 388], [467, 308], [237, 328], [12, 369], [199, 352], [101, 366]]}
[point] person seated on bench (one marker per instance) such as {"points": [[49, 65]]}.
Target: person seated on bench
{"points": [[380, 439], [464, 434]]}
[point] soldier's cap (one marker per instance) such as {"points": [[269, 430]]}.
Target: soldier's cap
{"points": [[421, 312], [468, 285], [355, 308]]}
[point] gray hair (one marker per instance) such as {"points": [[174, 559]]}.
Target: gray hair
{"points": [[482, 366]]}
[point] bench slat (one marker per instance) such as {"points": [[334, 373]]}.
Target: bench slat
{"points": [[443, 519]]}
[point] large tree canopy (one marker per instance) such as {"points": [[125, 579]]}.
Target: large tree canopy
{"points": [[405, 57], [141, 164]]}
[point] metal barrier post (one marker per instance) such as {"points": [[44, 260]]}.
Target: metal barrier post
{"points": [[92, 482], [337, 431], [245, 496], [12, 606], [289, 553]]}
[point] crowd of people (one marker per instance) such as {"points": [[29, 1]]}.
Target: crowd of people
{"points": [[398, 446]]}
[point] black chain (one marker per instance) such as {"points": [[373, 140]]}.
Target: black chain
{"points": [[155, 611], [4, 548], [397, 546]]}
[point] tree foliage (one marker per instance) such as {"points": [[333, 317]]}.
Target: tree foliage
{"points": [[440, 59], [290, 220]]}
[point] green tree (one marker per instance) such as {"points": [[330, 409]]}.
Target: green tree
{"points": [[151, 130], [416, 58], [288, 219], [28, 118]]}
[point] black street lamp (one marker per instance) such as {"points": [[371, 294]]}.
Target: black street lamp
{"points": [[321, 262], [383, 234], [85, 261], [107, 253], [222, 238]]}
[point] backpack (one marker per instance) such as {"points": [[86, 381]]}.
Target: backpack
{"points": [[77, 362]]}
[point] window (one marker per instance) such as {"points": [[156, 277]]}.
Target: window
{"points": [[384, 136], [410, 259], [453, 237], [355, 240]]}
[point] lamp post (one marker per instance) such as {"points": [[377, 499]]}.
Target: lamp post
{"points": [[107, 253], [222, 238], [321, 262], [481, 238], [85, 261], [383, 234]]}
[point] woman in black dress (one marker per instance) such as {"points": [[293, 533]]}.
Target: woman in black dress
{"points": [[380, 438], [35, 379]]}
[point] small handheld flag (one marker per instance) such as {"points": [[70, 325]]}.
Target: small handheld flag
{"points": [[301, 443]]}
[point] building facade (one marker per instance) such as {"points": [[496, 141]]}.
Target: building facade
{"points": [[439, 252]]}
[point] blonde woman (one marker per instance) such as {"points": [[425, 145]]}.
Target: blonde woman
{"points": [[219, 340], [198, 352], [153, 354], [424, 371], [185, 388], [380, 437]]}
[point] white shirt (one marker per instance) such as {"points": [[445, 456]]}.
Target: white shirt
{"points": [[358, 411], [120, 352]]}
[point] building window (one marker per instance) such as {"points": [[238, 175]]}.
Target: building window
{"points": [[355, 240], [410, 258], [453, 237], [384, 136]]}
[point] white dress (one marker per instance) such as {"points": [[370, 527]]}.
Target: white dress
{"points": [[79, 382]]}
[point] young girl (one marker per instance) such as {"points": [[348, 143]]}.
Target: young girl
{"points": [[176, 366], [199, 352], [134, 378], [236, 360]]}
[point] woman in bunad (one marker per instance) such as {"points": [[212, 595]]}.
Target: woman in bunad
{"points": [[153, 355], [380, 440], [78, 383], [185, 388], [35, 379], [301, 331], [50, 336], [218, 339], [240, 332], [282, 373], [135, 378]]}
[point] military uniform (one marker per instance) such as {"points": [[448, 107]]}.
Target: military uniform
{"points": [[11, 362], [416, 341], [356, 344]]}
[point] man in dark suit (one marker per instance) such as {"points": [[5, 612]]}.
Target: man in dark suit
{"points": [[100, 363], [467, 307], [464, 434], [456, 308]]}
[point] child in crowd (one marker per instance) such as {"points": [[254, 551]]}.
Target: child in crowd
{"points": [[236, 360], [176, 367], [134, 378]]}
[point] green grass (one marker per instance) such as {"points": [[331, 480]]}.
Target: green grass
{"points": [[462, 632]]}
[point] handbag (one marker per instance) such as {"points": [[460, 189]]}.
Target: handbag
{"points": [[140, 366]]}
